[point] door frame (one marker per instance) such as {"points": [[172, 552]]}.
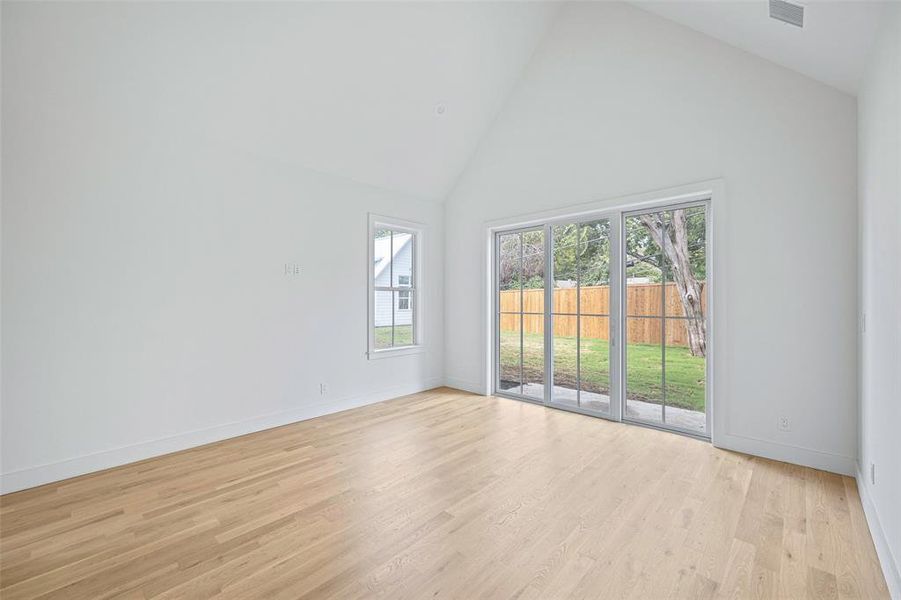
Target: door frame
{"points": [[708, 192]]}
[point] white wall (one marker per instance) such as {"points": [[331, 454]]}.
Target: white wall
{"points": [[879, 115], [617, 101], [144, 303]]}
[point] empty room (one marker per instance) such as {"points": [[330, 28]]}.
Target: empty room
{"points": [[450, 299]]}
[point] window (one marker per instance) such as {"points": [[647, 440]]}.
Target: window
{"points": [[403, 300], [403, 296], [394, 287]]}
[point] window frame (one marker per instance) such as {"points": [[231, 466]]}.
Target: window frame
{"points": [[414, 290]]}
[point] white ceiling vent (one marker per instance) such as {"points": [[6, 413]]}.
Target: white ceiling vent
{"points": [[787, 12]]}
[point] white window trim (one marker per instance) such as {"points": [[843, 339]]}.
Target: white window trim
{"points": [[417, 230]]}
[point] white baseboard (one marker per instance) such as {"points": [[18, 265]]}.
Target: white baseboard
{"points": [[81, 465], [806, 457], [466, 386], [890, 567], [817, 459]]}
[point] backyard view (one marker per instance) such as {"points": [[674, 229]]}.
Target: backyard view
{"points": [[684, 372], [664, 325]]}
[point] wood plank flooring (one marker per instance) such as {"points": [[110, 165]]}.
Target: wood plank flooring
{"points": [[443, 494]]}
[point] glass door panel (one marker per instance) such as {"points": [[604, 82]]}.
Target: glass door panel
{"points": [[685, 346], [645, 293], [665, 323], [580, 314], [509, 302], [533, 314], [520, 313], [593, 262]]}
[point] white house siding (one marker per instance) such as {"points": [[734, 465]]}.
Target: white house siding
{"points": [[403, 265]]}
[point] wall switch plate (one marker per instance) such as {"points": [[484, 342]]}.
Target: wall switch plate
{"points": [[323, 389], [292, 269], [785, 424]]}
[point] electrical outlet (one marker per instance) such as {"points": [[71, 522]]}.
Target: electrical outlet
{"points": [[873, 473], [323, 389], [785, 424]]}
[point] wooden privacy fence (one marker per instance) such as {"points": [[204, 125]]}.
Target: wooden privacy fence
{"points": [[641, 300]]}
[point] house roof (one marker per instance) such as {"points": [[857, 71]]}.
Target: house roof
{"points": [[382, 249]]}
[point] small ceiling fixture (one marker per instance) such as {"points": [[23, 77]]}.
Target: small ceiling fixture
{"points": [[440, 109], [787, 12]]}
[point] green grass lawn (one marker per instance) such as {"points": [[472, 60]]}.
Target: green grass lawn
{"points": [[684, 372], [403, 336]]}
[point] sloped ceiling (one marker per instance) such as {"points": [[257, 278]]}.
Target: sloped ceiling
{"points": [[396, 95], [346, 88], [392, 94], [832, 47]]}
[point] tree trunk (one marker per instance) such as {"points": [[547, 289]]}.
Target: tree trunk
{"points": [[674, 242]]}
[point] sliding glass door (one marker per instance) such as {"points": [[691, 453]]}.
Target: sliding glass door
{"points": [[553, 297], [580, 315], [520, 301], [567, 290], [665, 320]]}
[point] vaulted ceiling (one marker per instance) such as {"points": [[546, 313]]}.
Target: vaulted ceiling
{"points": [[832, 47], [392, 94], [396, 95]]}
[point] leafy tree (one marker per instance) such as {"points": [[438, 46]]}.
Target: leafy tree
{"points": [[582, 253], [671, 246]]}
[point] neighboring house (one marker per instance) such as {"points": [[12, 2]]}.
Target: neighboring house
{"points": [[403, 272]]}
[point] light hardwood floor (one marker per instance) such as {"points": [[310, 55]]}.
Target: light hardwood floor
{"points": [[443, 495]]}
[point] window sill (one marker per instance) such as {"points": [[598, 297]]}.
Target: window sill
{"points": [[390, 352]]}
